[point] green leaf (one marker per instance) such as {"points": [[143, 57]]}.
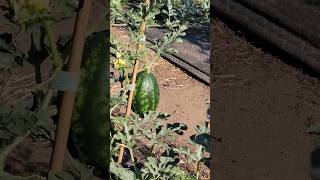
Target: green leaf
{"points": [[6, 59], [120, 172], [65, 8], [19, 127], [36, 37], [61, 175]]}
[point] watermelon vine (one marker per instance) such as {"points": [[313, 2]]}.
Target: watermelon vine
{"points": [[146, 127], [30, 113]]}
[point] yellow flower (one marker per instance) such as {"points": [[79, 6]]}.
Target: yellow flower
{"points": [[39, 5], [119, 64], [29, 12], [34, 5]]}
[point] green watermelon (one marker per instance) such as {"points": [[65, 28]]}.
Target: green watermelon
{"points": [[90, 128], [146, 93]]}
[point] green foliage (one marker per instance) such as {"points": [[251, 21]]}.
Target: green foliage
{"points": [[174, 30], [201, 142], [18, 120], [117, 9], [120, 173], [148, 126], [22, 118], [162, 169], [28, 14], [195, 12]]}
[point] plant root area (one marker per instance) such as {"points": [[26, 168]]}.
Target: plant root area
{"points": [[262, 108]]}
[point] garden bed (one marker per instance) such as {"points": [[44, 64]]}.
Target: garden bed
{"points": [[181, 95]]}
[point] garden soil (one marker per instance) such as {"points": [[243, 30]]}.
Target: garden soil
{"points": [[262, 108]]}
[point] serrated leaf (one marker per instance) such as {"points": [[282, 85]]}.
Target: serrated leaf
{"points": [[121, 172]]}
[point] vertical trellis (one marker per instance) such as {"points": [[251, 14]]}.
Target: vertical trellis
{"points": [[142, 30], [66, 108]]}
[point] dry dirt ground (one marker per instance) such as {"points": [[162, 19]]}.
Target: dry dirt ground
{"points": [[184, 98], [261, 108]]}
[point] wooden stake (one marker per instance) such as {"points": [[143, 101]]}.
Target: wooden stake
{"points": [[120, 157], [133, 81], [65, 112], [197, 169], [136, 64], [131, 154]]}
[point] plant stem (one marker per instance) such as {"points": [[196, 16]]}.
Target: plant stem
{"points": [[118, 25], [121, 151], [132, 159], [131, 154], [57, 64], [160, 50], [127, 77], [56, 60], [152, 148], [47, 99]]}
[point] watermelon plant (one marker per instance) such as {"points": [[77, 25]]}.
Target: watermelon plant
{"points": [[31, 113], [140, 143]]}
